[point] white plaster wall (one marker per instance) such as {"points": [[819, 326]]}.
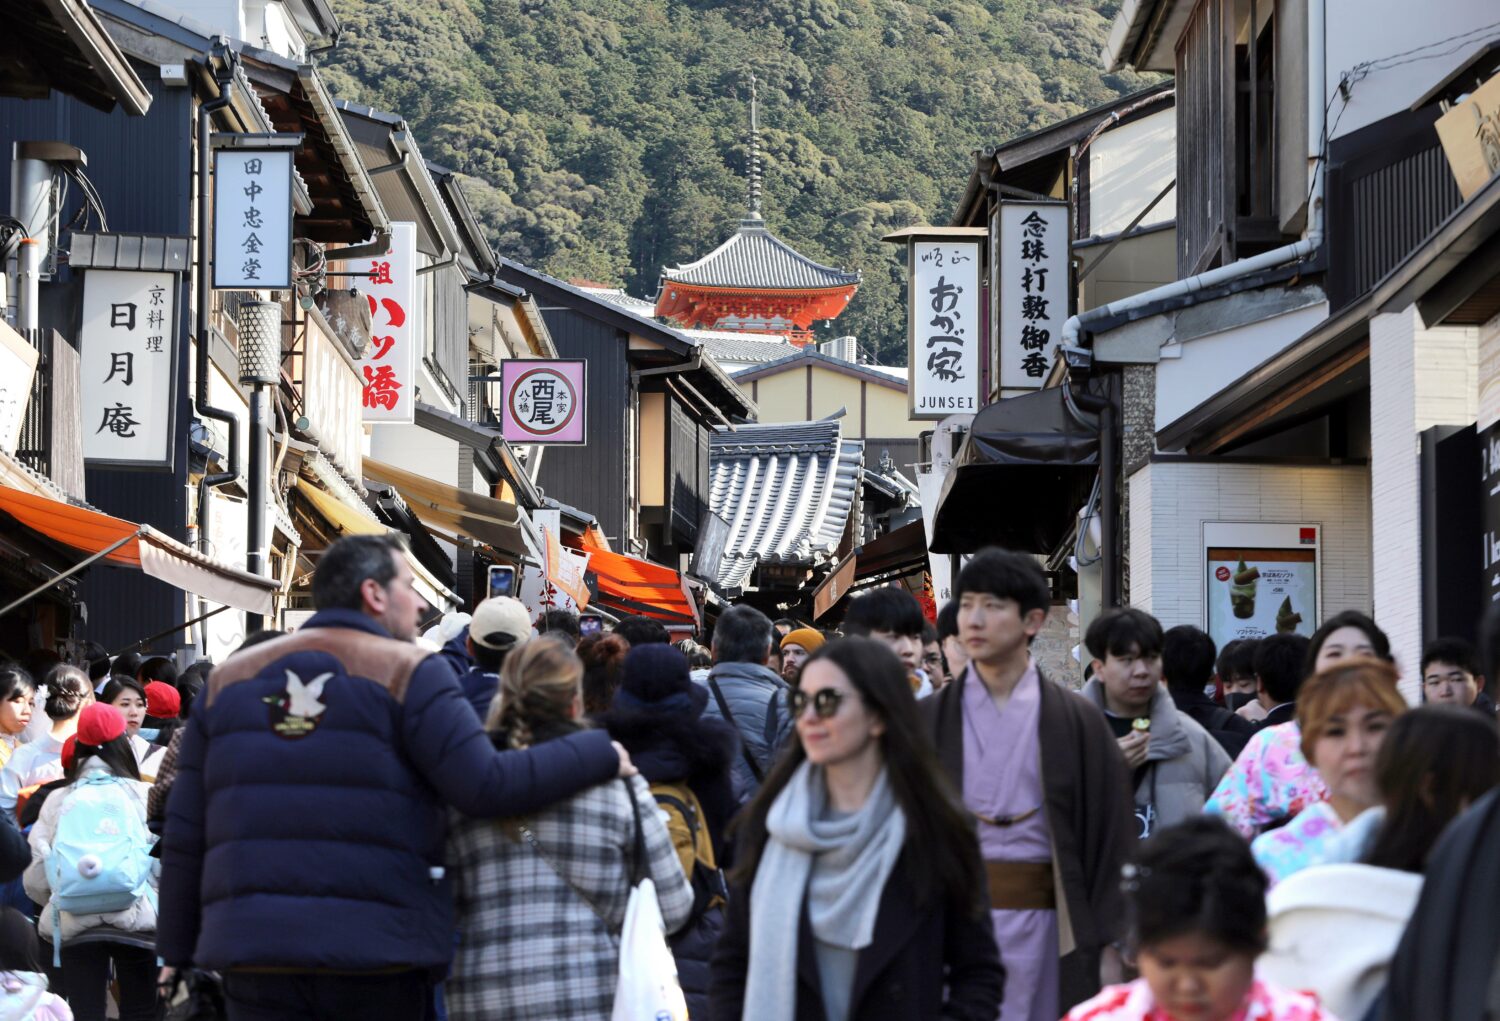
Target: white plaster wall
{"points": [[1128, 167], [1170, 501], [1192, 372], [417, 450], [1357, 33]]}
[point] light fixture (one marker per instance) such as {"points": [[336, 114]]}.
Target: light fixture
{"points": [[259, 325]]}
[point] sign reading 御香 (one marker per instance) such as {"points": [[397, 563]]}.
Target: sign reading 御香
{"points": [[1034, 286], [127, 357], [945, 329], [544, 400]]}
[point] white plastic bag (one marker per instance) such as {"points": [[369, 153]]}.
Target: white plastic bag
{"points": [[647, 989]]}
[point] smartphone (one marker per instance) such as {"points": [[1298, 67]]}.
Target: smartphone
{"points": [[502, 580], [589, 624]]}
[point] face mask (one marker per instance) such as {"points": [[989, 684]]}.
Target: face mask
{"points": [[1239, 698]]}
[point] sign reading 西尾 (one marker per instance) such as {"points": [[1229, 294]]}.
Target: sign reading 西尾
{"points": [[389, 367], [17, 370], [544, 401], [127, 358], [1034, 286], [1470, 133], [945, 332], [1260, 579], [253, 219]]}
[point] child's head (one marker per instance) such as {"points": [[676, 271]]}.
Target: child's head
{"points": [[1198, 903]]}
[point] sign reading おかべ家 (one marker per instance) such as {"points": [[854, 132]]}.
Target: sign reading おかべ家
{"points": [[945, 331], [1034, 290], [544, 401], [1261, 579]]}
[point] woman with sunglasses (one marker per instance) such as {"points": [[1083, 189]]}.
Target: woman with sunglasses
{"points": [[858, 865]]}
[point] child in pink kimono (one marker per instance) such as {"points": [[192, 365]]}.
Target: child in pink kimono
{"points": [[1198, 906]]}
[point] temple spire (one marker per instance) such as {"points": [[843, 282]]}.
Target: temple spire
{"points": [[754, 168]]}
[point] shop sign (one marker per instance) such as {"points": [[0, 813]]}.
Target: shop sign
{"points": [[1260, 579], [1034, 290], [127, 368], [331, 394], [1489, 521], [252, 219], [17, 369], [945, 331], [566, 568], [544, 401], [389, 368], [1470, 134]]}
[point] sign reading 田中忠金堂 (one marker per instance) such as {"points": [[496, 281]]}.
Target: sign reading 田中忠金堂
{"points": [[1034, 287], [252, 219], [127, 356], [945, 328], [544, 400]]}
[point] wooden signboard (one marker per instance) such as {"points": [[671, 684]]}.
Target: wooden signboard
{"points": [[1470, 133]]}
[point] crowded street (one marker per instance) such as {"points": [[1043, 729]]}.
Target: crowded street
{"points": [[810, 510]]}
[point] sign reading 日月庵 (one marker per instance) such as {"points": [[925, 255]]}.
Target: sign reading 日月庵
{"points": [[126, 364], [544, 401], [945, 331]]}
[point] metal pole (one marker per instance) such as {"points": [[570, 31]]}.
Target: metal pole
{"points": [[1109, 564], [71, 571], [258, 484], [169, 631]]}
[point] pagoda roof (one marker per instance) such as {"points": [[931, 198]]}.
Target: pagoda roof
{"points": [[755, 259]]}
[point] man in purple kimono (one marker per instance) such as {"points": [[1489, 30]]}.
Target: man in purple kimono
{"points": [[1042, 774]]}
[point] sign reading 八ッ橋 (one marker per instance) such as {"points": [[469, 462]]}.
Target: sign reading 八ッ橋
{"points": [[1034, 285], [127, 356], [253, 219], [389, 367], [945, 332], [544, 401]]}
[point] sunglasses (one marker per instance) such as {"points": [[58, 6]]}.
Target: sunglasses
{"points": [[825, 703]]}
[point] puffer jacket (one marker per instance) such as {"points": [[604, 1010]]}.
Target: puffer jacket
{"points": [[757, 702], [1183, 763], [133, 925], [307, 824], [24, 997]]}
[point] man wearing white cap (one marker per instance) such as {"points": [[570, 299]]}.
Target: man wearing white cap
{"points": [[498, 626]]}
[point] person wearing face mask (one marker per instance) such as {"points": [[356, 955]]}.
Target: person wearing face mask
{"points": [[1235, 668], [1187, 663], [1343, 714], [1271, 780]]}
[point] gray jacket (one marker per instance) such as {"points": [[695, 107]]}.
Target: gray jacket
{"points": [[1184, 761], [756, 698]]}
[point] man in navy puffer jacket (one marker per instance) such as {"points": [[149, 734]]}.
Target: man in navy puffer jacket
{"points": [[303, 855]]}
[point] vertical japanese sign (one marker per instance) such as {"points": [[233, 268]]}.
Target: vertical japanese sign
{"points": [[544, 401], [945, 330], [17, 370], [127, 357], [389, 367], [253, 219], [1034, 288]]}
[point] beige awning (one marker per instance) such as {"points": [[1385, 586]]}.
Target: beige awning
{"points": [[456, 511]]}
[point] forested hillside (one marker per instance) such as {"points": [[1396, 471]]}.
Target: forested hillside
{"points": [[607, 138]]}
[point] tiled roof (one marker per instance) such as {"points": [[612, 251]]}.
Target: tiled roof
{"points": [[749, 348], [619, 299], [755, 258], [787, 492]]}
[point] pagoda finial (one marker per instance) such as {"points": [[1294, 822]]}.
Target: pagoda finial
{"points": [[754, 153]]}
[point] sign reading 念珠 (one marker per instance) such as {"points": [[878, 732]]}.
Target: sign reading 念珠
{"points": [[1034, 290]]}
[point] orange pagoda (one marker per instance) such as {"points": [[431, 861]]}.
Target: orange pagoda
{"points": [[755, 282]]}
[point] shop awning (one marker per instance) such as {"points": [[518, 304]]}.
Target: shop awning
{"points": [[456, 511], [894, 555], [139, 547], [352, 522], [629, 585], [1024, 470]]}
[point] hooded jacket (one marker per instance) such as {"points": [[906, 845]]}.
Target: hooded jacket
{"points": [[1183, 763], [757, 700]]}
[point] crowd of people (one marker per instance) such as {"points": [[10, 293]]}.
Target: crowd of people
{"points": [[901, 819]]}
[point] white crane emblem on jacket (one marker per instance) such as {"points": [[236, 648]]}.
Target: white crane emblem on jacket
{"points": [[295, 712]]}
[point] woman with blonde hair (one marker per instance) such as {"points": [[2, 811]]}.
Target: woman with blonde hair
{"points": [[1343, 712], [541, 899]]}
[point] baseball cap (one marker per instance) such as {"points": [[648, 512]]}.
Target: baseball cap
{"points": [[500, 623]]}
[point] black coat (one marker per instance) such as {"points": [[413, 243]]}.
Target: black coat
{"points": [[900, 976], [1230, 729], [15, 852]]}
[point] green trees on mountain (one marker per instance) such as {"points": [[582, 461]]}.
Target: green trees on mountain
{"points": [[607, 138]]}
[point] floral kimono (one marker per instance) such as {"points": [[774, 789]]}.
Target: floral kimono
{"points": [[1134, 1002], [1271, 781], [1304, 841]]}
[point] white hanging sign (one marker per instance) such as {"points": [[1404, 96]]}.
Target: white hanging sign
{"points": [[1034, 286], [389, 368], [127, 356], [945, 332], [252, 219], [17, 371]]}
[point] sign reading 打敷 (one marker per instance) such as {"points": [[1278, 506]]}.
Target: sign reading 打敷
{"points": [[127, 353], [253, 219], [389, 367], [544, 401], [945, 331], [1034, 289]]}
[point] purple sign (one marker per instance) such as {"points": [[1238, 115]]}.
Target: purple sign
{"points": [[544, 401]]}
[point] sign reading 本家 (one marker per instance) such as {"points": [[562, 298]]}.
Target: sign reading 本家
{"points": [[127, 357], [544, 401], [945, 331], [389, 367], [1034, 289], [253, 219]]}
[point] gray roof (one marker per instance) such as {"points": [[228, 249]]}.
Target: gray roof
{"points": [[635, 306], [726, 346], [754, 257], [787, 492]]}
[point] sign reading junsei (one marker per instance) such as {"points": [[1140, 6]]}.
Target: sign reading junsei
{"points": [[127, 357], [544, 401], [1034, 285], [945, 331]]}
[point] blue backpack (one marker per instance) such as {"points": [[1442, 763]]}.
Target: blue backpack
{"points": [[101, 853]]}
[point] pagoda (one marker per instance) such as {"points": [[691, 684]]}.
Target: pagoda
{"points": [[755, 282]]}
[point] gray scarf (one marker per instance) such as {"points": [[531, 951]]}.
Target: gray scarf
{"points": [[841, 864]]}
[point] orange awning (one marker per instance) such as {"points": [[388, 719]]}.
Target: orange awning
{"points": [[631, 585], [141, 548]]}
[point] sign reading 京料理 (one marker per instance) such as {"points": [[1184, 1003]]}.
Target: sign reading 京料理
{"points": [[253, 219], [1260, 579], [1034, 286], [945, 332], [389, 367], [544, 401], [127, 353]]}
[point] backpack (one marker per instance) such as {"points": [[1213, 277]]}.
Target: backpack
{"points": [[694, 943], [101, 853]]}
